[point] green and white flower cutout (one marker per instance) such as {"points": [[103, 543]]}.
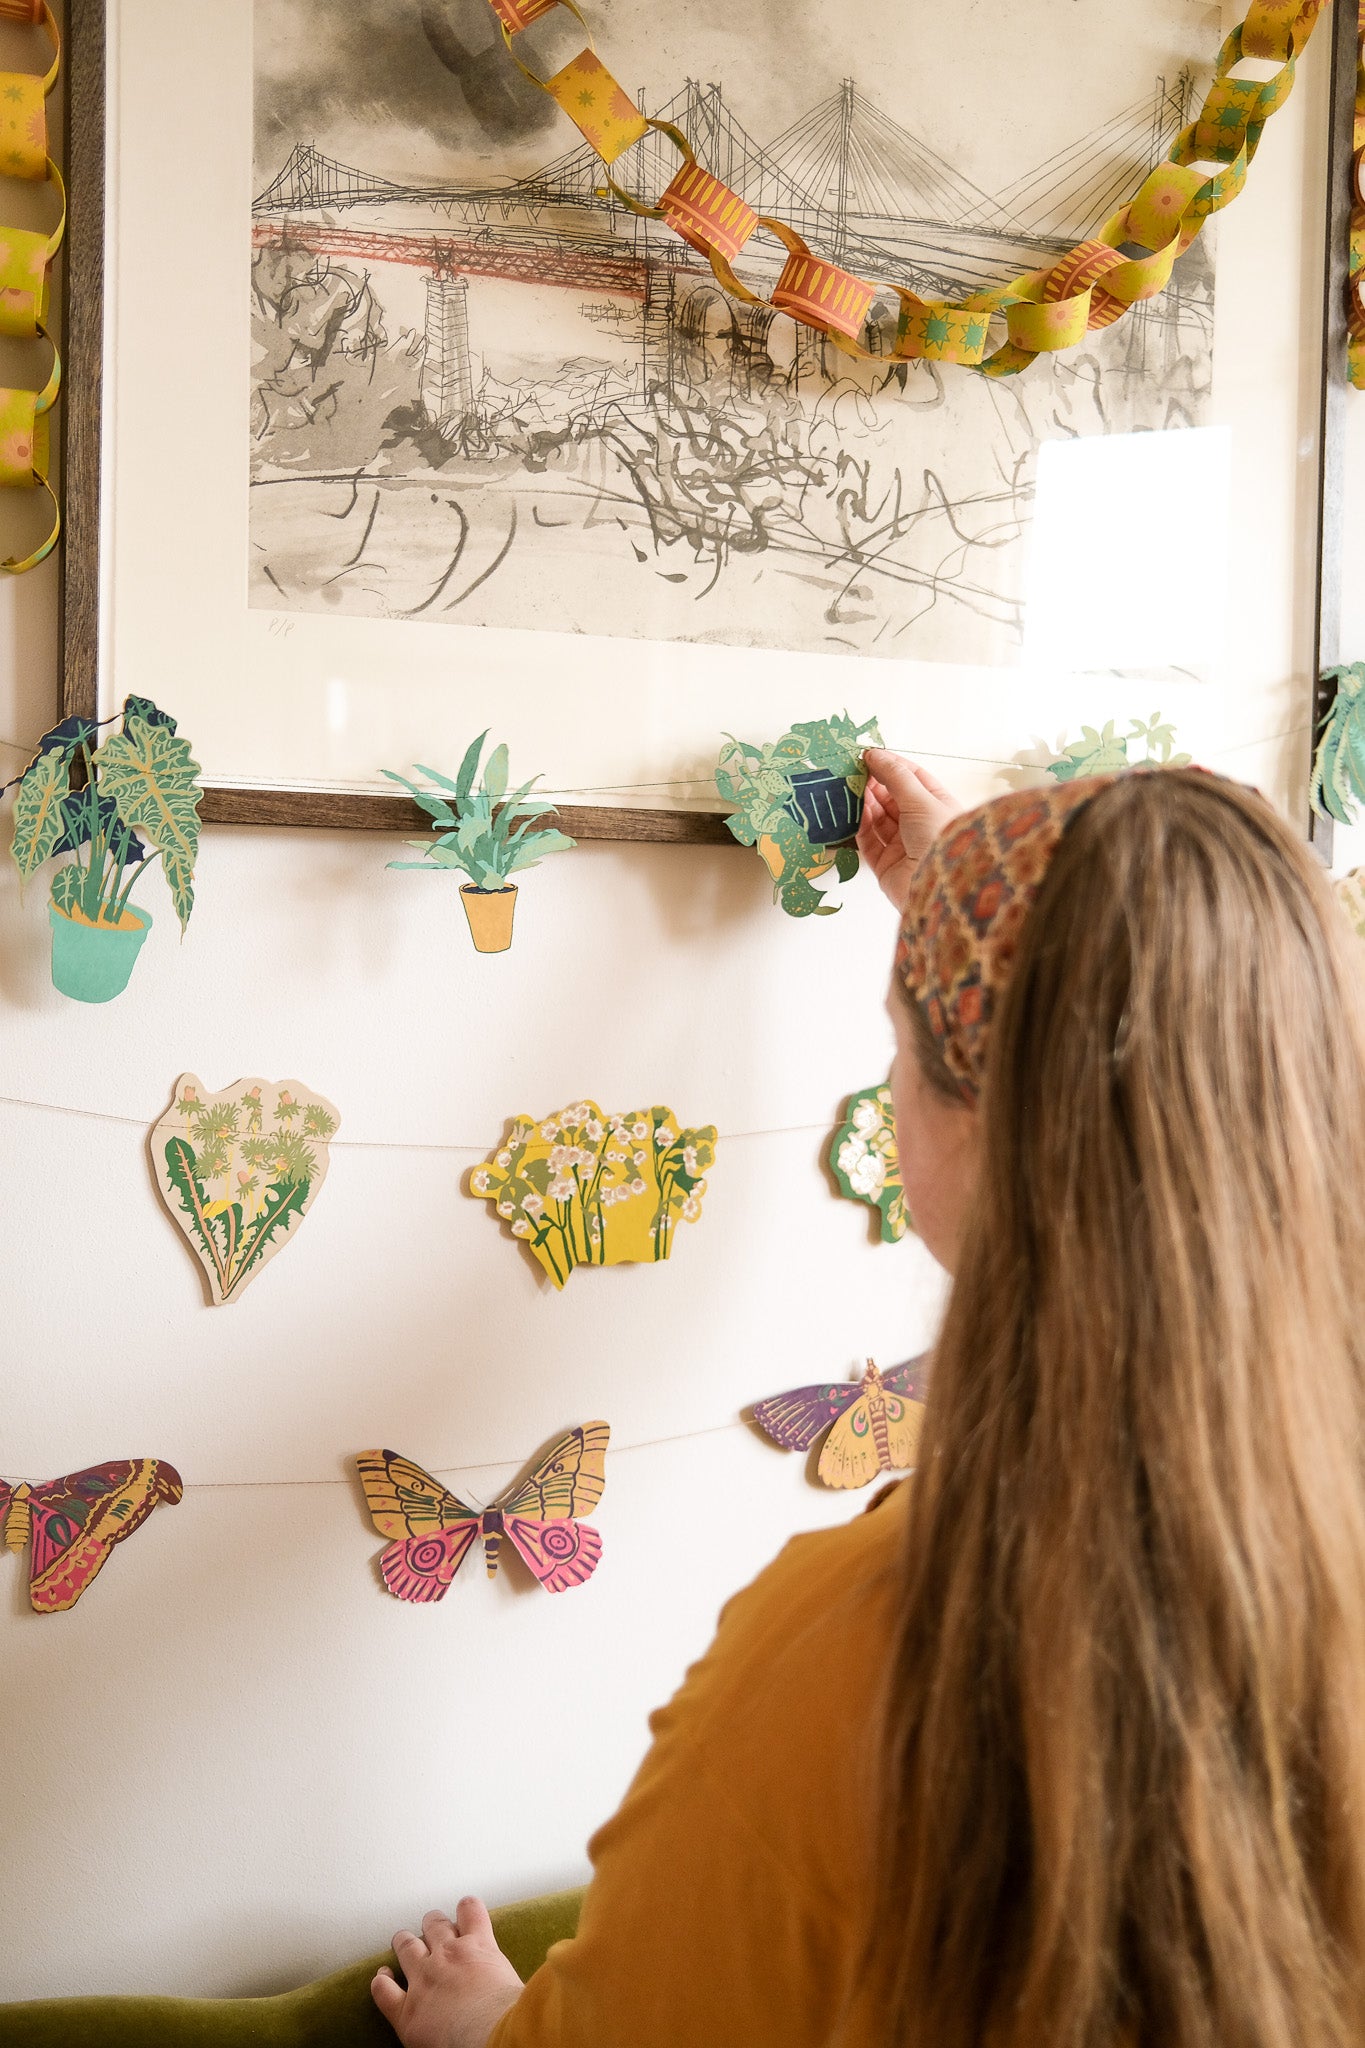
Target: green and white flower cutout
{"points": [[865, 1162]]}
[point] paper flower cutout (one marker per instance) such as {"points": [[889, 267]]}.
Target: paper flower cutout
{"points": [[239, 1170], [865, 1161], [75, 1522], [582, 1188], [799, 800], [432, 1528], [876, 1422]]}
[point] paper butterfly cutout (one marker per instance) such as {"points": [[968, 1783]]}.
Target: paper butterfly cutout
{"points": [[876, 1422], [76, 1521], [433, 1529]]}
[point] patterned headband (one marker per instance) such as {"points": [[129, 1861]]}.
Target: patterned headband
{"points": [[968, 901]]}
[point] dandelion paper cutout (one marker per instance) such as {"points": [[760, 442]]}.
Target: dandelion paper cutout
{"points": [[876, 1422], [582, 1188], [865, 1161], [239, 1170]]}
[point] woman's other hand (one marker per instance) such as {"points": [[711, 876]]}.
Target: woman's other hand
{"points": [[459, 1981], [904, 810]]}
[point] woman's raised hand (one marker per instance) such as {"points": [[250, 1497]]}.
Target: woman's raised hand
{"points": [[904, 810]]}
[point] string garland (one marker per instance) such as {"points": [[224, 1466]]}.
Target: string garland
{"points": [[1094, 284]]}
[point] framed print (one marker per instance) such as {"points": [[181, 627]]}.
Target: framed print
{"points": [[413, 425]]}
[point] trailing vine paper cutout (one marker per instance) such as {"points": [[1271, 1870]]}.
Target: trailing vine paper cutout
{"points": [[582, 1188], [1109, 753], [876, 1422], [239, 1169], [865, 1162], [1130, 259], [433, 1529], [74, 1523], [799, 800]]}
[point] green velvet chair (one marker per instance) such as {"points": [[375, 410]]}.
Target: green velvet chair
{"points": [[336, 2012]]}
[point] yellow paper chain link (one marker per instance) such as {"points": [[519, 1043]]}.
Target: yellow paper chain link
{"points": [[1090, 287], [1355, 311], [26, 274]]}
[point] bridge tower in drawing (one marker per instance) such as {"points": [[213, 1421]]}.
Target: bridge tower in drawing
{"points": [[447, 384]]}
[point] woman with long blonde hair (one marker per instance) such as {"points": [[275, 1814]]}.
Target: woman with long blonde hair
{"points": [[1063, 1746]]}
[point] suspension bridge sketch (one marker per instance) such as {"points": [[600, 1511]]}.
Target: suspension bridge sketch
{"points": [[484, 391]]}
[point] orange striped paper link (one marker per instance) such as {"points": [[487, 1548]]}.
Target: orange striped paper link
{"points": [[29, 12], [602, 111], [515, 15], [821, 295], [708, 215]]}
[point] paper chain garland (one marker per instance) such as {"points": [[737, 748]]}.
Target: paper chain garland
{"points": [[1090, 287], [1355, 310], [26, 273]]}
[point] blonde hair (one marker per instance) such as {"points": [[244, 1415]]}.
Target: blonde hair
{"points": [[1124, 1791]]}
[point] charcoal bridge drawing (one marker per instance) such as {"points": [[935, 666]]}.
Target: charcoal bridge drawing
{"points": [[484, 392]]}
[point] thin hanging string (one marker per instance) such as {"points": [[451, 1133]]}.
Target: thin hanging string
{"points": [[109, 1116], [648, 1443]]}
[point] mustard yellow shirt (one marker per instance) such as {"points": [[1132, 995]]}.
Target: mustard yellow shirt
{"points": [[729, 1891]]}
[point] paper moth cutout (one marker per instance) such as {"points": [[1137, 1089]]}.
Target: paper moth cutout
{"points": [[799, 801], [865, 1162], [433, 1529], [876, 1422], [75, 1522], [239, 1169], [583, 1188]]}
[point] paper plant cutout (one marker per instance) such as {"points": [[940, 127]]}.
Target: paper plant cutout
{"points": [[876, 1422], [239, 1169], [1349, 891], [1109, 753], [800, 801], [582, 1188], [865, 1161], [75, 1522], [432, 1529], [1338, 783], [486, 835]]}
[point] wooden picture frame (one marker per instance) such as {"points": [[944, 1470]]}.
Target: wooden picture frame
{"points": [[82, 428]]}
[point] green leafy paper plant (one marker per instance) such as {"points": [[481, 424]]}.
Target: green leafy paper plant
{"points": [[238, 1169], [1109, 753], [1338, 783], [139, 791], [866, 1163], [487, 835], [791, 795]]}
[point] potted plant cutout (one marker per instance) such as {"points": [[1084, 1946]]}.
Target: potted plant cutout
{"points": [[487, 836], [1109, 753], [799, 800], [137, 803]]}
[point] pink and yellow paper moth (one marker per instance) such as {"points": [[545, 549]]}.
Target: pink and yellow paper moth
{"points": [[876, 1422], [433, 1529], [76, 1521]]}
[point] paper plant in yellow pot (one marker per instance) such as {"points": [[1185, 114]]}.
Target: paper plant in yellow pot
{"points": [[487, 835], [582, 1188]]}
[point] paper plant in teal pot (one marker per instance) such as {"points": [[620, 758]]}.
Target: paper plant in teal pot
{"points": [[135, 801], [487, 836]]}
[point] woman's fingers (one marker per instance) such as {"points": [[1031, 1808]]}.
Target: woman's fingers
{"points": [[405, 1939], [472, 1920], [437, 1927], [385, 1992]]}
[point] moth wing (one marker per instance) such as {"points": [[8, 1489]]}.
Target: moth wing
{"points": [[403, 1500], [562, 1553], [77, 1520], [904, 1422], [910, 1378], [568, 1481], [420, 1568], [849, 1457], [794, 1420]]}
